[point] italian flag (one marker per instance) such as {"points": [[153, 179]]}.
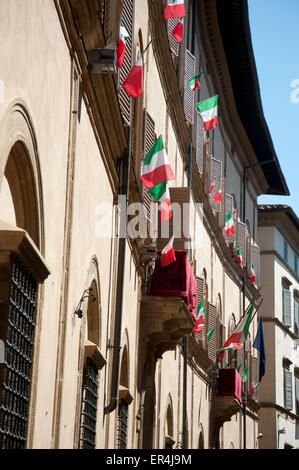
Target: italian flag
{"points": [[229, 226], [161, 194], [252, 274], [240, 333], [245, 375], [121, 46], [239, 257], [200, 318], [218, 196], [177, 31], [208, 111], [155, 167], [194, 82], [210, 334], [167, 254], [232, 346], [174, 9], [133, 84]]}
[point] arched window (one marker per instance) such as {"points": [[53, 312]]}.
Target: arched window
{"points": [[125, 399], [22, 269], [169, 430]]}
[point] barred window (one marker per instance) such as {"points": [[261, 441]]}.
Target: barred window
{"points": [[17, 332], [122, 424], [89, 406]]}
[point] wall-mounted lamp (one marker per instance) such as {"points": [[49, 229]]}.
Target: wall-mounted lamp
{"points": [[282, 431], [102, 60], [86, 294]]}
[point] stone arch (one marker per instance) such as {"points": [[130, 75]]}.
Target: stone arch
{"points": [[20, 171], [168, 424], [201, 441]]}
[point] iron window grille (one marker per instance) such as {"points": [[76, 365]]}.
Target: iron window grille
{"points": [[89, 406], [122, 424], [17, 331]]}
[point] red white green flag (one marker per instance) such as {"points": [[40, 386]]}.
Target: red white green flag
{"points": [[194, 82], [218, 196], [232, 346], [155, 167], [252, 274], [239, 257], [240, 333], [133, 84], [200, 318], [210, 333], [174, 9], [209, 112], [121, 46], [160, 192], [229, 226], [167, 254], [177, 31]]}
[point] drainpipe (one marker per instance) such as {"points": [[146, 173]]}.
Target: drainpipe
{"points": [[244, 397]]}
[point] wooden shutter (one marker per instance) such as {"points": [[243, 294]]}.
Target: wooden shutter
{"points": [[149, 139], [206, 163], [288, 391], [109, 21], [126, 21], [179, 224], [255, 260], [287, 318], [216, 180], [173, 44], [297, 395], [212, 344], [228, 207], [241, 239], [188, 93], [296, 317], [198, 139]]}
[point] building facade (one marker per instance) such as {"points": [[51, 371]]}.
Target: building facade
{"points": [[98, 348], [279, 244]]}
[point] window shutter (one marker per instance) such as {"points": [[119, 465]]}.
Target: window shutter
{"points": [[216, 180], [287, 307], [241, 239], [199, 141], [173, 44], [212, 344], [109, 20], [206, 163], [297, 395], [255, 260], [179, 224], [188, 93], [126, 21], [254, 370], [288, 392], [296, 317]]}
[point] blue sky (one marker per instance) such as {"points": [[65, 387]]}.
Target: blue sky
{"points": [[275, 37]]}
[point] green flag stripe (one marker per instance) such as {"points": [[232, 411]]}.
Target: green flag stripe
{"points": [[158, 191], [157, 147], [208, 104]]}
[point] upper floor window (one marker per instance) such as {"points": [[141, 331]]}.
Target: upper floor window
{"points": [[285, 250], [296, 264], [296, 313], [286, 302]]}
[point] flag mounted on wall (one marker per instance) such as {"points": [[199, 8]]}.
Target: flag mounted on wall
{"points": [[239, 257], [229, 226], [194, 82], [174, 9], [209, 112], [252, 275], [121, 46], [161, 194], [133, 84], [155, 167], [167, 254], [177, 31]]}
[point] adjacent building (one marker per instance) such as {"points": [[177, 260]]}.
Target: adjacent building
{"points": [[97, 341], [279, 389]]}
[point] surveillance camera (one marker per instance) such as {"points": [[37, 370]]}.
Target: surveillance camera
{"points": [[260, 436]]}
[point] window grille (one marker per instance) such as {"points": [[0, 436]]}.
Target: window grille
{"points": [[122, 424], [18, 337], [89, 406]]}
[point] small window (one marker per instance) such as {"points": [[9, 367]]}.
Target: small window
{"points": [[122, 424], [288, 389], [286, 306], [296, 264], [296, 316], [285, 250]]}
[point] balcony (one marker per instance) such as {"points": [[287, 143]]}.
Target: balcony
{"points": [[228, 396], [167, 310]]}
